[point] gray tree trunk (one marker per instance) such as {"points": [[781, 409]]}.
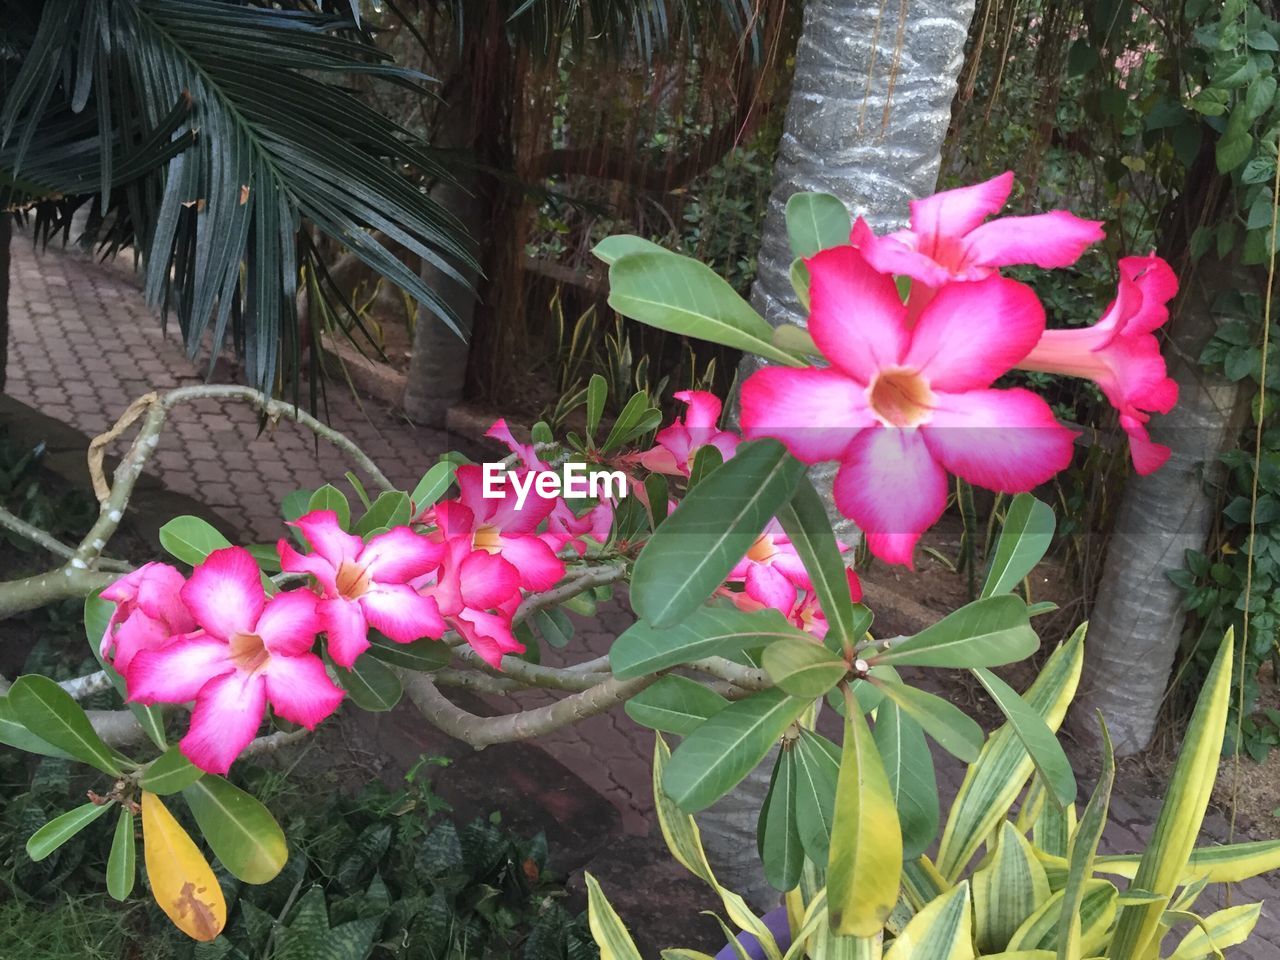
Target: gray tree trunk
{"points": [[1137, 620], [870, 106], [6, 264]]}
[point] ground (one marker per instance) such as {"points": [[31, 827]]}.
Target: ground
{"points": [[83, 345]]}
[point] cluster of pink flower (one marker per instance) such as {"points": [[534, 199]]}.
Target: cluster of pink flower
{"points": [[907, 398], [219, 639]]}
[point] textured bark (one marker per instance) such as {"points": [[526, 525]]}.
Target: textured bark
{"points": [[870, 107], [6, 263], [1137, 620]]}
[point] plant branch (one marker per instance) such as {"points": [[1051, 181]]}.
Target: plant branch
{"points": [[27, 531]]}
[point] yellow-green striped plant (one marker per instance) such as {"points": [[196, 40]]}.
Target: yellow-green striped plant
{"points": [[1018, 886]]}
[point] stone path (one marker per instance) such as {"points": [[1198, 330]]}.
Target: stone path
{"points": [[83, 345]]}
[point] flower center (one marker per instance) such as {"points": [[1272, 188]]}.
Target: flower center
{"points": [[900, 397], [248, 652], [763, 550], [488, 539], [352, 580]]}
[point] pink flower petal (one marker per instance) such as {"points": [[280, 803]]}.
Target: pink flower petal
{"points": [[663, 458], [1148, 456], [225, 592], [528, 455], [488, 635], [1003, 440], [1147, 284], [953, 213], [856, 317], [815, 412], [703, 411], [1048, 240], [300, 691], [895, 255], [535, 562], [400, 555], [891, 486], [175, 672], [227, 714], [770, 587], [137, 633], [326, 536], [972, 333], [487, 580], [313, 563], [402, 613], [345, 629], [289, 624]]}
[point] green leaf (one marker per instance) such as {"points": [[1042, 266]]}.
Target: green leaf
{"points": [[803, 668], [816, 221], [864, 867], [191, 539], [423, 655], [1024, 540], [943, 930], [40, 704], [1236, 142], [14, 734], [62, 828], [1084, 848], [681, 295], [391, 509], [674, 704], [309, 936], [817, 769], [330, 497], [658, 493], [804, 520], [716, 524], [1007, 890], [636, 419], [240, 830], [607, 928], [985, 633], [714, 631], [371, 684], [432, 486], [597, 394], [555, 626], [779, 839], [955, 731], [122, 862], [912, 781], [717, 755], [295, 504], [169, 773], [1042, 746], [705, 459], [611, 249], [799, 276]]}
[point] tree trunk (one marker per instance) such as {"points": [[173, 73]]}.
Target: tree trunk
{"points": [[870, 106], [1137, 620], [6, 264]]}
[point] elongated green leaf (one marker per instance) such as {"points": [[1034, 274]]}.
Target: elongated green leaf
{"points": [[97, 613], [1024, 539], [817, 769], [803, 668], [716, 756], [1221, 929], [684, 296], [992, 784], [955, 731], [865, 863], [805, 522], [816, 221], [1007, 890], [239, 829], [122, 863], [1096, 915], [40, 704], [597, 393], [425, 655], [912, 781], [607, 928], [710, 631], [191, 539], [985, 633], [675, 705], [370, 683], [941, 931], [1042, 746], [330, 497], [778, 836], [1084, 848], [62, 828], [432, 486], [391, 509], [1164, 863], [611, 249], [14, 734], [705, 460], [170, 772], [1229, 863], [714, 527]]}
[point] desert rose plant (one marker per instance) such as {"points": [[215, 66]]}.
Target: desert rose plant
{"points": [[750, 620]]}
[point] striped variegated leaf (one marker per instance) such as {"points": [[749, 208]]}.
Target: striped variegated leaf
{"points": [[1097, 912], [1226, 928], [941, 931], [1007, 890], [607, 928], [1229, 863]]}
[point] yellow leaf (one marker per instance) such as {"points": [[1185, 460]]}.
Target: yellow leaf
{"points": [[181, 880]]}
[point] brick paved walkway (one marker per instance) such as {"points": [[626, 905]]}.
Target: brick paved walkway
{"points": [[82, 345]]}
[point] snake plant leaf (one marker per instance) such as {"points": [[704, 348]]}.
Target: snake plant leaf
{"points": [[909, 766], [941, 931], [1006, 891], [1084, 848], [1042, 746], [1164, 863], [1225, 928], [607, 928], [993, 782], [865, 862], [1097, 914], [984, 633], [1229, 863]]}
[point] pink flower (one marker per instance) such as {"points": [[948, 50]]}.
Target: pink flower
{"points": [[772, 572], [901, 405], [947, 239], [250, 651], [677, 443], [803, 611], [1120, 353], [496, 525], [365, 584], [149, 610]]}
